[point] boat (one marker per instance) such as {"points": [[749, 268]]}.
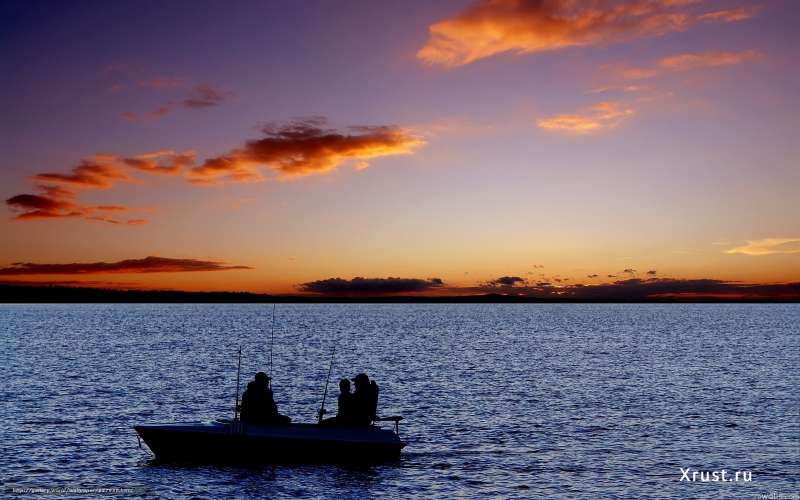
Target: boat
{"points": [[226, 440], [235, 440]]}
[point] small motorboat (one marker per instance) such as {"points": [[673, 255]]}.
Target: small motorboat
{"points": [[226, 440], [235, 441]]}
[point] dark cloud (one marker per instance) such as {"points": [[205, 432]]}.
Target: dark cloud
{"points": [[636, 289], [76, 283], [370, 286], [146, 265], [591, 276], [305, 147], [54, 204], [652, 272], [639, 289], [507, 281], [35, 206]]}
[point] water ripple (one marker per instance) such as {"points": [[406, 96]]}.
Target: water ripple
{"points": [[500, 400]]}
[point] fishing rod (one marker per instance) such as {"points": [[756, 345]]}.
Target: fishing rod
{"points": [[325, 394], [271, 342], [238, 372]]}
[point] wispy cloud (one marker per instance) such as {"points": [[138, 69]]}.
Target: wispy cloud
{"points": [[96, 173], [683, 62], [73, 283], [491, 27], [205, 96], [730, 15], [202, 95], [131, 266], [601, 116], [162, 82], [303, 148], [160, 162], [768, 246]]}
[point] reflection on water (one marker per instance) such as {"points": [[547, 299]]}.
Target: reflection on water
{"points": [[508, 400]]}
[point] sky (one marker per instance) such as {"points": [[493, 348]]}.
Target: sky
{"points": [[514, 146]]}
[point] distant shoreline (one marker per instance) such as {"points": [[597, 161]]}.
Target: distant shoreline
{"points": [[49, 294]]}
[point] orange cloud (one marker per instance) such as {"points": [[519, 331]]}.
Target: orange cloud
{"points": [[730, 15], [303, 148], [160, 162], [601, 116], [89, 174], [295, 149], [98, 172], [768, 246], [491, 27], [57, 191], [685, 62], [111, 220], [103, 218]]}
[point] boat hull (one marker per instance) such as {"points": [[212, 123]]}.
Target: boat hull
{"points": [[237, 442]]}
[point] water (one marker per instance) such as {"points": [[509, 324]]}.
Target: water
{"points": [[516, 400]]}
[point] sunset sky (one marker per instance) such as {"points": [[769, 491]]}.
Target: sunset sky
{"points": [[293, 146]]}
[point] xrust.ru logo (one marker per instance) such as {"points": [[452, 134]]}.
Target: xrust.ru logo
{"points": [[714, 476]]}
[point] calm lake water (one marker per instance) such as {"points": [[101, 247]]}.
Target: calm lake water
{"points": [[516, 400]]}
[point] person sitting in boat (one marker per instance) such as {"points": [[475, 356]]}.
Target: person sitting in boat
{"points": [[365, 401], [258, 405], [344, 413]]}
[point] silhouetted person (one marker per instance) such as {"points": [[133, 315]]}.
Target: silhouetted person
{"points": [[258, 405], [344, 414], [365, 401]]}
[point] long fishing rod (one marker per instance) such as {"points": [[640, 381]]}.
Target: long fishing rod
{"points": [[238, 372], [325, 394], [271, 341]]}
